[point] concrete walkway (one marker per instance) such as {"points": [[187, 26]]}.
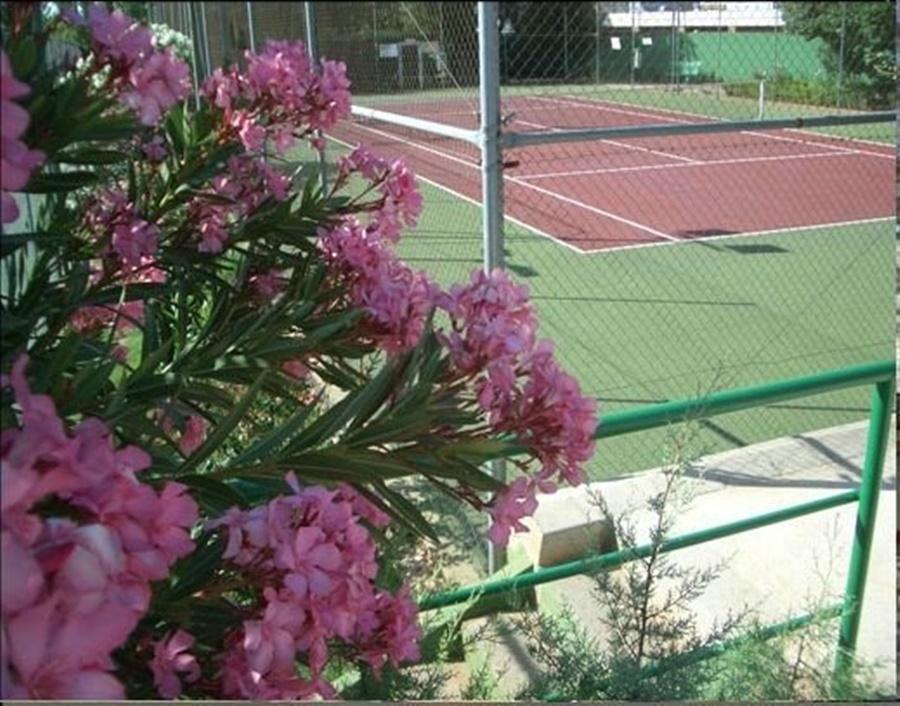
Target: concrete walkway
{"points": [[780, 570]]}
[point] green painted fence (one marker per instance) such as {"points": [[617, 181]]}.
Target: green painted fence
{"points": [[880, 374]]}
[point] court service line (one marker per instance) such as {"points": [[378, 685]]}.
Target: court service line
{"points": [[474, 165], [619, 144], [597, 105], [712, 162]]}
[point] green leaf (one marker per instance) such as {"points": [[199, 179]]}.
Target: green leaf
{"points": [[86, 385], [49, 183], [466, 473], [92, 156], [403, 510], [10, 242], [225, 427], [270, 443], [23, 56], [195, 570], [341, 414], [478, 450], [213, 495], [113, 294], [114, 127], [361, 466], [175, 127]]}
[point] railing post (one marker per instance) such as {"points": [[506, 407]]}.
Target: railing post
{"points": [[491, 177], [870, 487]]}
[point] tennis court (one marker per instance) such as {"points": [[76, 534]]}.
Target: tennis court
{"points": [[630, 192], [670, 266]]}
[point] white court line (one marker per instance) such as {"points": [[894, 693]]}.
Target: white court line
{"points": [[617, 143], [515, 180], [597, 105], [650, 167], [476, 202]]}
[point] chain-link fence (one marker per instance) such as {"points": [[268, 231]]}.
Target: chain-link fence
{"points": [[675, 236]]}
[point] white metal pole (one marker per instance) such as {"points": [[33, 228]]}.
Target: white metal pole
{"points": [[761, 112], [840, 76], [312, 46], [204, 40], [250, 26], [188, 16], [634, 48], [491, 177], [597, 43]]}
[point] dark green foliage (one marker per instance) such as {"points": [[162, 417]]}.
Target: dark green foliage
{"points": [[858, 39]]}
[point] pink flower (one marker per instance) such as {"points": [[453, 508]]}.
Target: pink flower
{"points": [[156, 149], [171, 657], [194, 433], [509, 507], [252, 134], [492, 321], [335, 101], [117, 36], [391, 631], [268, 285], [73, 591], [400, 203], [295, 369], [22, 578], [156, 84], [135, 240], [362, 507], [316, 561], [279, 96], [398, 300], [120, 353], [16, 160], [248, 183]]}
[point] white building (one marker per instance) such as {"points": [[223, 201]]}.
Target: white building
{"points": [[695, 15]]}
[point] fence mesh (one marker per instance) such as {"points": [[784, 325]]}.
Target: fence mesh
{"points": [[661, 266]]}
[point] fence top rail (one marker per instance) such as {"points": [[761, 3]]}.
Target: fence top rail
{"points": [[544, 137], [715, 403]]}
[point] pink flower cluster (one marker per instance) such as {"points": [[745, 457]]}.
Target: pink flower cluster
{"points": [[74, 588], [314, 561], [113, 221], [397, 299], [148, 81], [279, 97], [521, 388], [400, 203], [16, 160], [248, 183]]}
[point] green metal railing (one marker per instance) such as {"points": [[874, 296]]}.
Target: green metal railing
{"points": [[880, 374]]}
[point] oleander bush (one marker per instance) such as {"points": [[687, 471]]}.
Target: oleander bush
{"points": [[218, 375]]}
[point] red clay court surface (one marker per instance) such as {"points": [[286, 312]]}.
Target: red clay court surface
{"points": [[624, 193]]}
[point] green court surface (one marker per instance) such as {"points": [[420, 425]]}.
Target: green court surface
{"points": [[647, 325]]}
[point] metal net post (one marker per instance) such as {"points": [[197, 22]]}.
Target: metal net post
{"points": [[312, 46], [491, 178]]}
